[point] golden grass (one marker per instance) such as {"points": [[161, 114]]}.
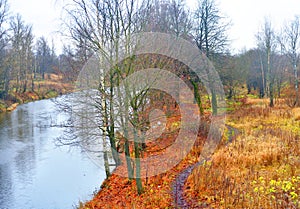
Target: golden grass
{"points": [[260, 169], [296, 113]]}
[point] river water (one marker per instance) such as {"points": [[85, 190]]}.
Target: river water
{"points": [[34, 172]]}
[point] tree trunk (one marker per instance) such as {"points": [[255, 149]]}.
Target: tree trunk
{"points": [[263, 79], [271, 94], [127, 156], [112, 126], [270, 80], [197, 97], [106, 163], [125, 125], [137, 157], [105, 125], [214, 102], [296, 82]]}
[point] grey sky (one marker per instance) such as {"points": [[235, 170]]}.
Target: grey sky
{"points": [[246, 16]]}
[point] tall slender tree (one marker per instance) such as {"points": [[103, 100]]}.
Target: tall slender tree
{"points": [[100, 25], [267, 42], [209, 31], [3, 18], [44, 59], [290, 43], [4, 72], [166, 17], [21, 54]]}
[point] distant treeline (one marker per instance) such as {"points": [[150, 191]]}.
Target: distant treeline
{"points": [[265, 70]]}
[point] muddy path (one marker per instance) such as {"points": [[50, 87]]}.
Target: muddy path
{"points": [[179, 200]]}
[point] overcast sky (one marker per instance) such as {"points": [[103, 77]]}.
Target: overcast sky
{"points": [[43, 15], [246, 17]]}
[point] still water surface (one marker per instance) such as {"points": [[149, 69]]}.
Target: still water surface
{"points": [[34, 172]]}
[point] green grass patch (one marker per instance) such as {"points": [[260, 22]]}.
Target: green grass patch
{"points": [[51, 94], [252, 96]]}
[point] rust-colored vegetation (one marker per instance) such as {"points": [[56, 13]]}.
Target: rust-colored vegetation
{"points": [[260, 169]]}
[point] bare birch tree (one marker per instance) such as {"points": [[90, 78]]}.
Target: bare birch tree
{"points": [[106, 28], [267, 42]]}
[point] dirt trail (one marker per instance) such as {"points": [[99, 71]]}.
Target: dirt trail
{"points": [[179, 200], [178, 187]]}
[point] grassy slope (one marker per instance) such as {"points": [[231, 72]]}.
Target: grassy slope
{"points": [[261, 169]]}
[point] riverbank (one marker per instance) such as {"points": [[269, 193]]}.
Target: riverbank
{"points": [[52, 86], [43, 175], [259, 168], [119, 192]]}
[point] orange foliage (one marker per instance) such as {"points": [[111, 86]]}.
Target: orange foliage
{"points": [[119, 192]]}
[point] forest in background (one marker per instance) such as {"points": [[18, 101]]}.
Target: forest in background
{"points": [[30, 67], [268, 72]]}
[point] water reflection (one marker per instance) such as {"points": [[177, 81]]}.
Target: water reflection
{"points": [[34, 173], [5, 185]]}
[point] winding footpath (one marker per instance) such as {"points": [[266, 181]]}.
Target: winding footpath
{"points": [[179, 201]]}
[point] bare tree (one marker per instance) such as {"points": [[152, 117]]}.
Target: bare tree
{"points": [[165, 16], [106, 27], [210, 28], [21, 53], [281, 65], [233, 72], [210, 35], [43, 57], [101, 25], [3, 18], [98, 25], [267, 42], [4, 73], [290, 42]]}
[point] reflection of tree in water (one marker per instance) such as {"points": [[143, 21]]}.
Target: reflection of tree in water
{"points": [[21, 125], [81, 126], [25, 162], [16, 126], [5, 186]]}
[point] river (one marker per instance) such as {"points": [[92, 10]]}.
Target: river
{"points": [[34, 172]]}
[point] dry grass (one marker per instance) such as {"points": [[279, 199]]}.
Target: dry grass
{"points": [[296, 113], [52, 86], [260, 169]]}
